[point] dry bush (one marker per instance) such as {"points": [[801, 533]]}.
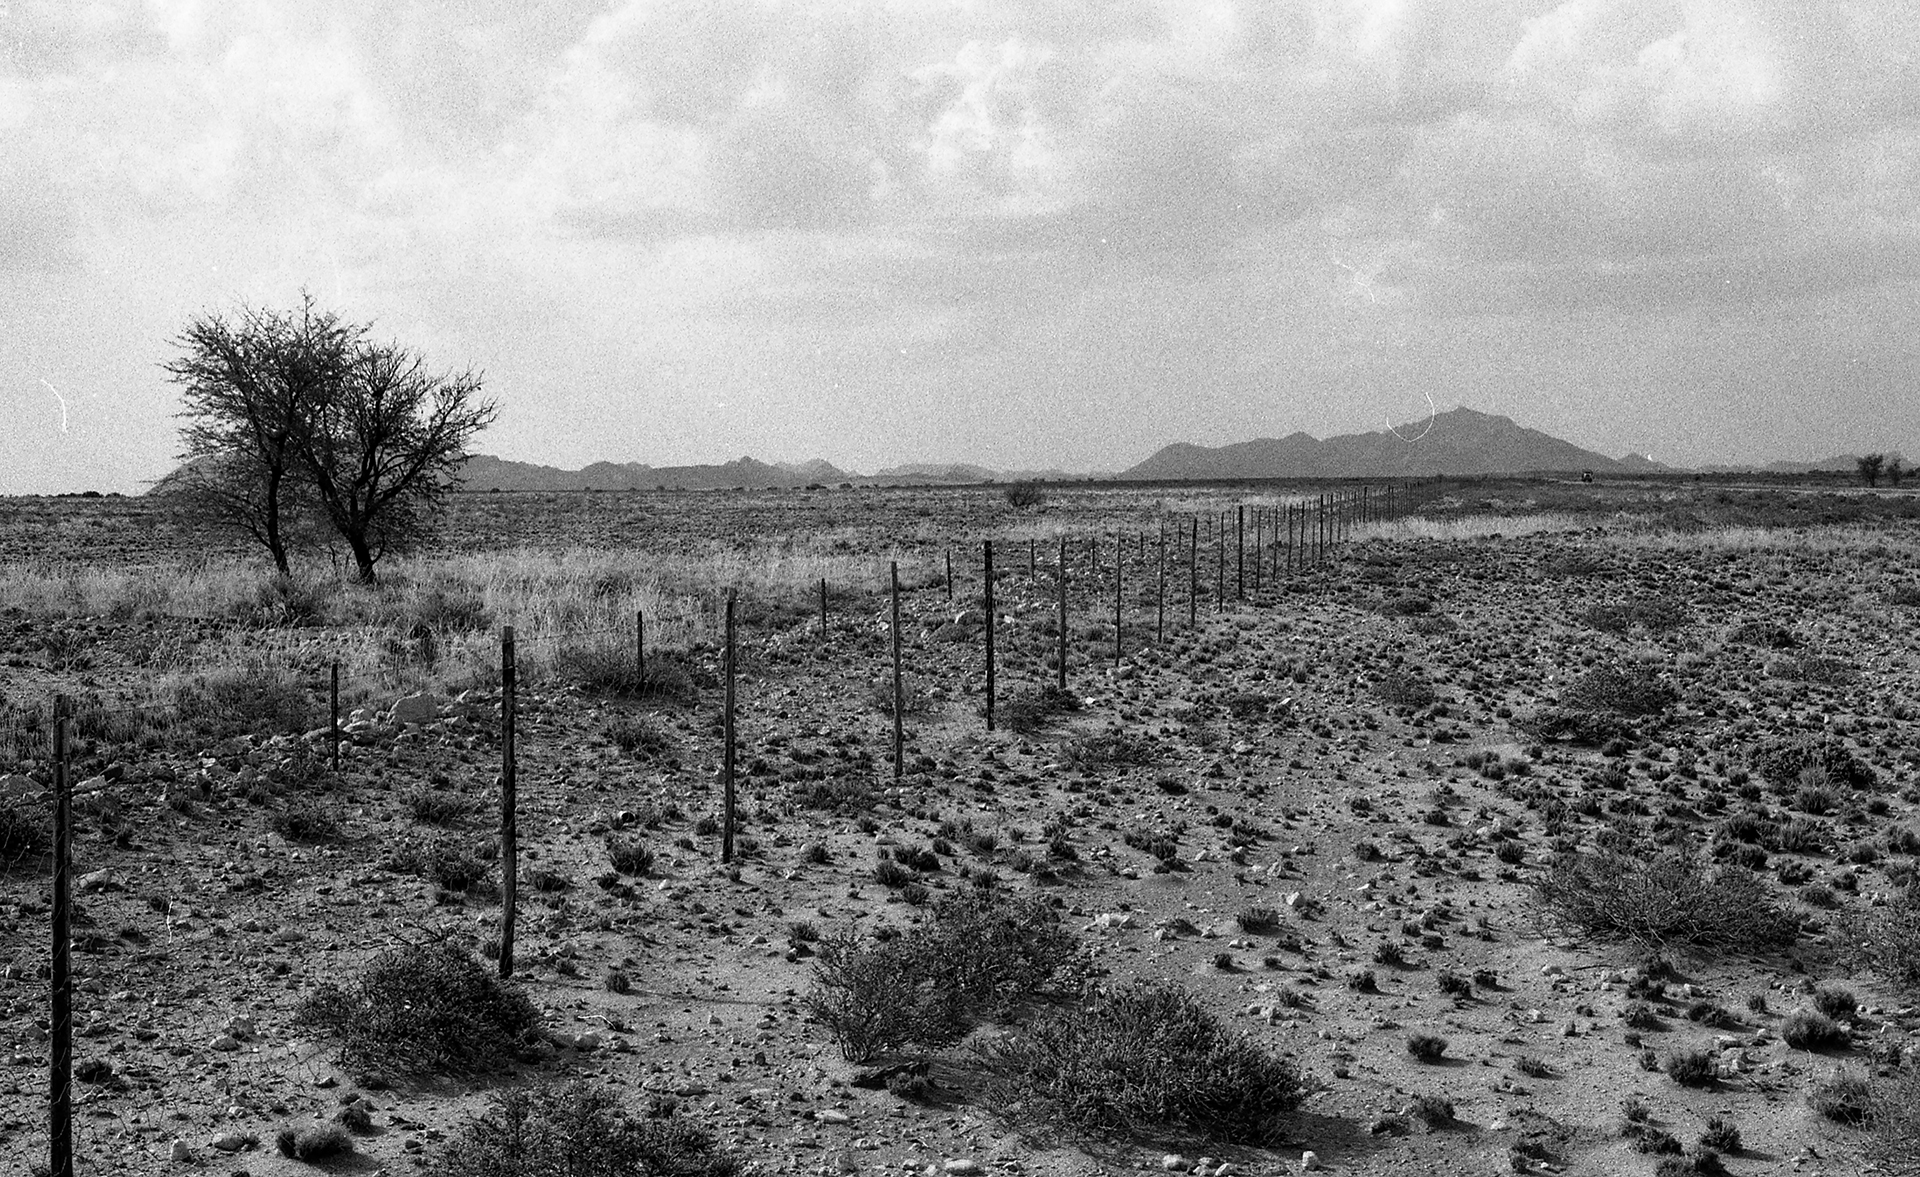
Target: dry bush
{"points": [[983, 953], [1893, 1121], [1403, 688], [1145, 1059], [422, 1011], [577, 1130], [252, 697], [1027, 709], [1661, 898], [1623, 692], [1784, 763], [1885, 939]]}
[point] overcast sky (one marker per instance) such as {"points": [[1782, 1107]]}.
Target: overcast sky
{"points": [[1022, 234]]}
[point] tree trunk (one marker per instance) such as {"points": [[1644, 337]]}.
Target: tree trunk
{"points": [[362, 557], [276, 543]]}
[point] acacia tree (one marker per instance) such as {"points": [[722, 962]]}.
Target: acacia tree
{"points": [[1870, 466], [384, 449], [1896, 469], [249, 385]]}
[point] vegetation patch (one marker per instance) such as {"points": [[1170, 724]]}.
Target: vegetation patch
{"points": [[422, 1011], [1147, 1058], [1661, 897], [578, 1130]]}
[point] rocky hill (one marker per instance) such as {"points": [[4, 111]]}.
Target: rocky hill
{"points": [[1460, 442]]}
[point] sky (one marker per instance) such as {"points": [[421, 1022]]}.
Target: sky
{"points": [[1055, 234]]}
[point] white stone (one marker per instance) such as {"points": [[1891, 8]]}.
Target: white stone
{"points": [[417, 708], [1309, 1161]]}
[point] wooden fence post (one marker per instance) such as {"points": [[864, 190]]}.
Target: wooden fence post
{"points": [[60, 1073], [509, 826], [949, 574], [823, 608], [1193, 575], [333, 707], [1220, 568], [1240, 552], [987, 551], [727, 753], [640, 646], [1119, 552], [1061, 681], [899, 699], [1160, 600]]}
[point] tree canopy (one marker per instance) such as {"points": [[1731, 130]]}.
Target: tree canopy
{"points": [[299, 425]]}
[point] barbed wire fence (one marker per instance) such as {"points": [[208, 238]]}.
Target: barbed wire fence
{"points": [[78, 1117]]}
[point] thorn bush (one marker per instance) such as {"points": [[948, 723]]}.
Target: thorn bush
{"points": [[1146, 1058], [579, 1130], [421, 1011]]}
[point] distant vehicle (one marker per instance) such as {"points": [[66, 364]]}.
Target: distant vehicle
{"points": [[1586, 476]]}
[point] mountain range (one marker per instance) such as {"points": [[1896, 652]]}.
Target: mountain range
{"points": [[1460, 442]]}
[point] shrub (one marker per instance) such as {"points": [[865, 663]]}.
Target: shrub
{"points": [[630, 856], [1845, 1097], [444, 860], [612, 670], [1147, 1057], [1784, 763], [1623, 692], [1435, 1111], [1812, 1030], [1028, 709], [618, 981], [251, 698], [1574, 726], [578, 1130], [1669, 897], [1453, 984], [1835, 1001], [982, 952], [316, 1142], [1258, 921], [1425, 1047], [1893, 1120], [436, 807], [1024, 495], [308, 820], [23, 830], [421, 1011], [1886, 939], [1720, 1135], [1689, 1067], [1403, 688], [639, 736], [1109, 749]]}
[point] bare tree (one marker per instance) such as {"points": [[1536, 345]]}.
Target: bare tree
{"points": [[1870, 466], [384, 450], [249, 384]]}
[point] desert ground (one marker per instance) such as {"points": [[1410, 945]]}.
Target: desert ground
{"points": [[1325, 807]]}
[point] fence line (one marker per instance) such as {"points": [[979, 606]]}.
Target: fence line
{"points": [[30, 735]]}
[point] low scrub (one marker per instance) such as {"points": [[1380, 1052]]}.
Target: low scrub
{"points": [[1893, 1121], [1403, 688], [1027, 709], [612, 670], [253, 698], [1661, 898], [982, 953], [1110, 749], [1147, 1059], [1785, 763], [1886, 939], [577, 1130], [1622, 692], [421, 1011]]}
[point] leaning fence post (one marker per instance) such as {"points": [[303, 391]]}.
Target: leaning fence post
{"points": [[509, 827], [333, 708], [60, 1077], [899, 698], [640, 646], [823, 608], [987, 550]]}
